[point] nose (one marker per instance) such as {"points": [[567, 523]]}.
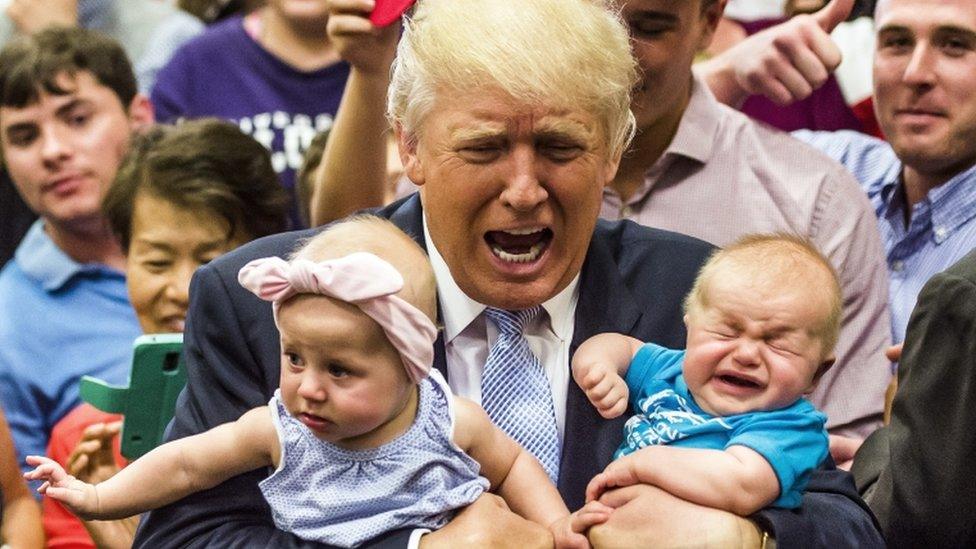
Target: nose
{"points": [[523, 189], [54, 147], [178, 288], [310, 388], [747, 352], [920, 69]]}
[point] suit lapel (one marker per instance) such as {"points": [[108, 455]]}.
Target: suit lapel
{"points": [[605, 305], [408, 215]]}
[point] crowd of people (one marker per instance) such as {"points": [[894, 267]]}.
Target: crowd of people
{"points": [[574, 273]]}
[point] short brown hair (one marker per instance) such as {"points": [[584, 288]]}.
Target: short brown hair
{"points": [[33, 63], [204, 164]]}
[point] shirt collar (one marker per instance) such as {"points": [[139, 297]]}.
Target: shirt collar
{"points": [[458, 310], [953, 203], [40, 258]]}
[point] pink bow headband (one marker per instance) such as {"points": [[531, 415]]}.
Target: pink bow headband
{"points": [[361, 279]]}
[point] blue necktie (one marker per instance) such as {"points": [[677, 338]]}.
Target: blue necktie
{"points": [[515, 392]]}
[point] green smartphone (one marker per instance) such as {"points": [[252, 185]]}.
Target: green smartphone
{"points": [[149, 401]]}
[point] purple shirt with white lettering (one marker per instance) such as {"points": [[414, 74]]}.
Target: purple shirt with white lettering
{"points": [[225, 73]]}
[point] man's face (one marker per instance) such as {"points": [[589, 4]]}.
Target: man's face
{"points": [[511, 193], [666, 35], [925, 82], [62, 152]]}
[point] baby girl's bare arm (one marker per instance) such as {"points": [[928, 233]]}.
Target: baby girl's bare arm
{"points": [[514, 473], [170, 471]]}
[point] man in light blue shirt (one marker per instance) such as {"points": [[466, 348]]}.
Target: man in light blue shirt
{"points": [[68, 103], [922, 181]]}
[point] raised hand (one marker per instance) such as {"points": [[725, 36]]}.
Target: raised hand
{"points": [[604, 387], [80, 497], [784, 63], [369, 49]]}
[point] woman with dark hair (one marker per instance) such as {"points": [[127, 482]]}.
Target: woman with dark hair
{"points": [[183, 196]]}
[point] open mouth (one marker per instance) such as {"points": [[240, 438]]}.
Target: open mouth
{"points": [[739, 381], [519, 245]]}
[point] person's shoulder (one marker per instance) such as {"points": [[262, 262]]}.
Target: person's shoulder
{"points": [[632, 242]]}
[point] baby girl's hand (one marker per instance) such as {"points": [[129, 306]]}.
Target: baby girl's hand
{"points": [[604, 387], [621, 472], [81, 498], [570, 531]]}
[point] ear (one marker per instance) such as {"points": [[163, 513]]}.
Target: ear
{"points": [[407, 145], [685, 320], [141, 112], [710, 18], [821, 370]]}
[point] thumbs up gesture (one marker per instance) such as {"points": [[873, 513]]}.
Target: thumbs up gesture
{"points": [[785, 63]]}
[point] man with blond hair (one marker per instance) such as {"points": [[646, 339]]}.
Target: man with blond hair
{"points": [[511, 117]]}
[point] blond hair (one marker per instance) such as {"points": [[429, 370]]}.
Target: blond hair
{"points": [[378, 236], [554, 53], [776, 260]]}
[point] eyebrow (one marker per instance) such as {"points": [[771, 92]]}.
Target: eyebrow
{"points": [[71, 105], [940, 30], [651, 15], [61, 111], [166, 246]]}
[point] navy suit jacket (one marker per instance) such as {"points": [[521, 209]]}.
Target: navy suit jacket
{"points": [[633, 281]]}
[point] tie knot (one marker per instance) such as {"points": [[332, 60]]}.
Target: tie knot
{"points": [[512, 322]]}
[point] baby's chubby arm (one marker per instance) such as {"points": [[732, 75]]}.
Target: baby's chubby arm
{"points": [[169, 472], [599, 367], [737, 479], [513, 472]]}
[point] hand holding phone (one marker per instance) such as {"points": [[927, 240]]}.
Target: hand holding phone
{"points": [[386, 12]]}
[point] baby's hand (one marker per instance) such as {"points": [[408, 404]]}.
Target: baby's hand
{"points": [[570, 531], [621, 472], [603, 386], [81, 498]]}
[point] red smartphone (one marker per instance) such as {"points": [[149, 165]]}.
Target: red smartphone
{"points": [[386, 12]]}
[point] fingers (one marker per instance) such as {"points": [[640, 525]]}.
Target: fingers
{"points": [[597, 486], [797, 58], [348, 25], [359, 7], [591, 514], [77, 466], [833, 14], [608, 393], [47, 470], [894, 352]]}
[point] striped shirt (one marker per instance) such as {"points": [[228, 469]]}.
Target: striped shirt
{"points": [[942, 228]]}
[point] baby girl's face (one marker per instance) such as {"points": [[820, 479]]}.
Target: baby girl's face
{"points": [[340, 376], [752, 350]]}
